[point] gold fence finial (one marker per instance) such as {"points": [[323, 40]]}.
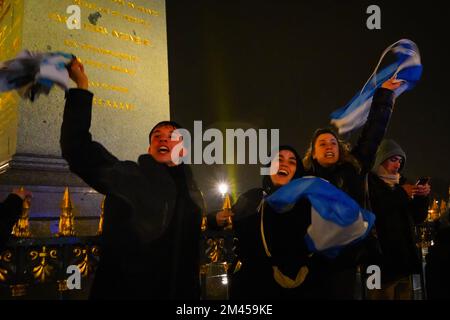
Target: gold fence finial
{"points": [[227, 206], [66, 225], [204, 223], [102, 214], [22, 227]]}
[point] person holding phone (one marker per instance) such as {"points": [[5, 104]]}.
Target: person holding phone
{"points": [[398, 207]]}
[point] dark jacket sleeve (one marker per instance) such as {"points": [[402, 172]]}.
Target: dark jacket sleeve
{"points": [[151, 197], [88, 159], [375, 128], [10, 211]]}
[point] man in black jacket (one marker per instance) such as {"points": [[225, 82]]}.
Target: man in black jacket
{"points": [[398, 207], [153, 209]]}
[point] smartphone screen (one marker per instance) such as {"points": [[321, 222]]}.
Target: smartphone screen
{"points": [[423, 180]]}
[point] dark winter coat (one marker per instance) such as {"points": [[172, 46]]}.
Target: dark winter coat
{"points": [[284, 234], [10, 211], [396, 217], [151, 231], [335, 279]]}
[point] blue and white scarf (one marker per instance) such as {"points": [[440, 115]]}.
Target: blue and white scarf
{"points": [[407, 67], [336, 219], [33, 73]]}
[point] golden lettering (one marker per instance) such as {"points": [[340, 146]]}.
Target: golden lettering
{"points": [[104, 66], [104, 10], [149, 11], [131, 72], [16, 44], [57, 17], [89, 47], [134, 6], [107, 86], [129, 37], [102, 30], [70, 43], [91, 5], [133, 19], [121, 2], [95, 64], [98, 29], [112, 104], [86, 4], [3, 33]]}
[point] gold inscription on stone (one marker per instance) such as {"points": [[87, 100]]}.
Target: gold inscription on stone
{"points": [[102, 30], [89, 47], [57, 17], [3, 31], [129, 37], [107, 103], [98, 29], [105, 66], [132, 5], [108, 86], [94, 6]]}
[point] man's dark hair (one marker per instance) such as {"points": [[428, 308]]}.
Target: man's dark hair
{"points": [[163, 124]]}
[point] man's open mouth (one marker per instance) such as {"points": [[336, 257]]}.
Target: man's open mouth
{"points": [[163, 149]]}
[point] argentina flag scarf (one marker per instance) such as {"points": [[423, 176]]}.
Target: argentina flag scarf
{"points": [[336, 219], [34, 73], [407, 67]]}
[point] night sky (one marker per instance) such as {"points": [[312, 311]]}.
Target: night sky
{"points": [[289, 64]]}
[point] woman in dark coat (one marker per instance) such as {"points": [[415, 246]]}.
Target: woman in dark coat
{"points": [[270, 244], [330, 158]]}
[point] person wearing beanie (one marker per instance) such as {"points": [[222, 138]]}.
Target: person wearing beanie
{"points": [[330, 158], [153, 208], [398, 207]]}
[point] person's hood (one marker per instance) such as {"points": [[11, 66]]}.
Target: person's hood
{"points": [[388, 148]]}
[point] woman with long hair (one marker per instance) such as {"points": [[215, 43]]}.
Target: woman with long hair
{"points": [[331, 158]]}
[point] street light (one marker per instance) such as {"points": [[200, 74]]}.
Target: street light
{"points": [[223, 188]]}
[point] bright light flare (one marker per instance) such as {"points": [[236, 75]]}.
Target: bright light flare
{"points": [[223, 188]]}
